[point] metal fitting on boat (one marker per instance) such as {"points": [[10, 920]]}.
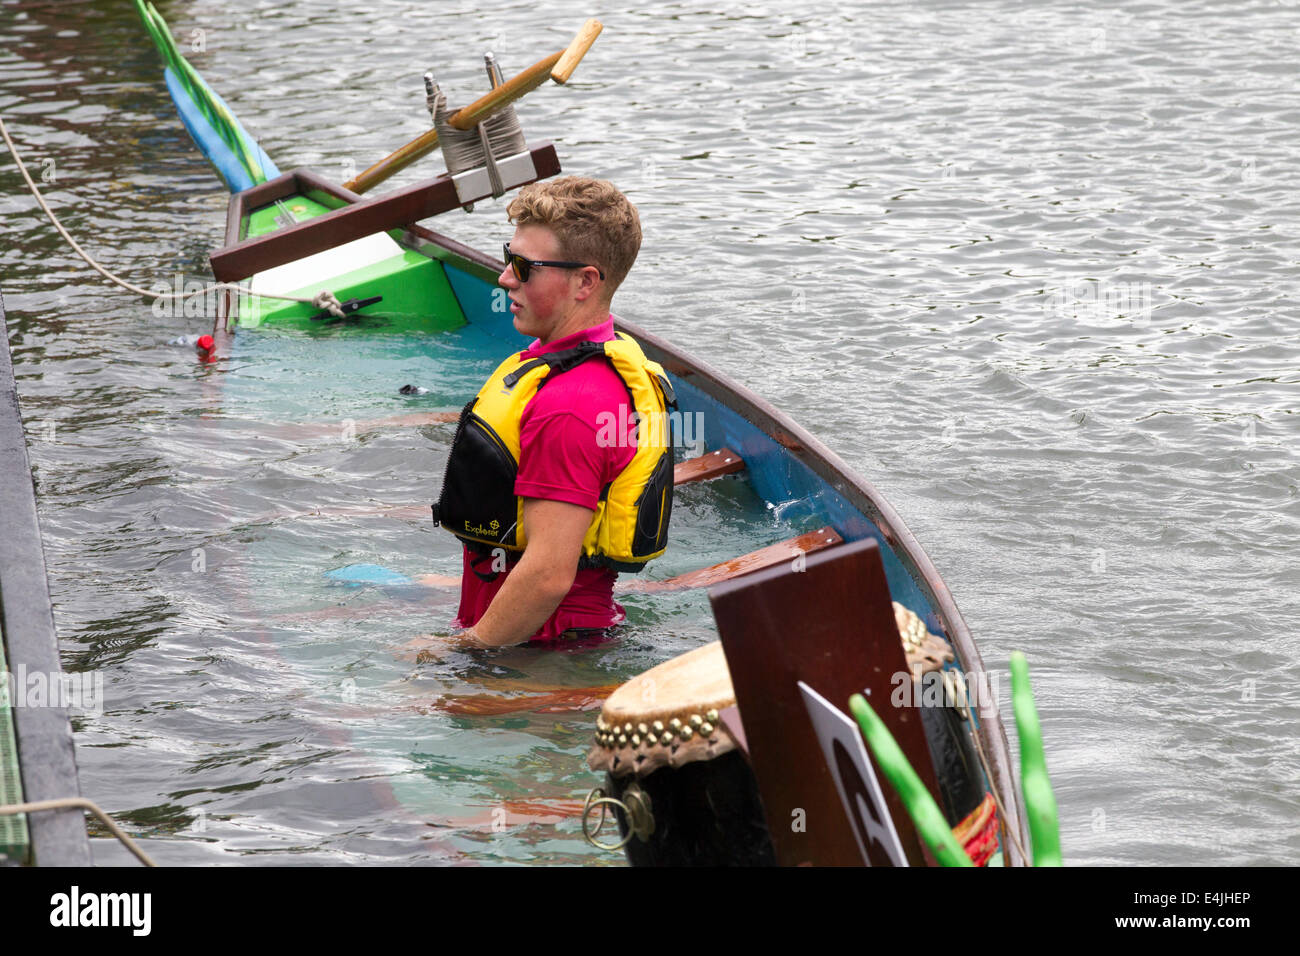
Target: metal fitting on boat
{"points": [[636, 809], [954, 685]]}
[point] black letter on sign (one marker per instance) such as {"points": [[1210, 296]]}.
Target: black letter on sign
{"points": [[872, 830]]}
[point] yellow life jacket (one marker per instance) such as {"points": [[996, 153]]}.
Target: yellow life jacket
{"points": [[630, 525]]}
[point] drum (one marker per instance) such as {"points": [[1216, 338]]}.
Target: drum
{"points": [[680, 789]]}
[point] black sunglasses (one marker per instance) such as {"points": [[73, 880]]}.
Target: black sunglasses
{"points": [[523, 267]]}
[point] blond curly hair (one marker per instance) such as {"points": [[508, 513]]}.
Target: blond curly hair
{"points": [[591, 219]]}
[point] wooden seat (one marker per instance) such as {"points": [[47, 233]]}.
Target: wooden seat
{"points": [[558, 701], [754, 561], [724, 461]]}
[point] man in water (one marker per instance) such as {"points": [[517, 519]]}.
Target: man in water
{"points": [[548, 492]]}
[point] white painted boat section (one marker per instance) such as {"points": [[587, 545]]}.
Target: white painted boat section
{"points": [[305, 274]]}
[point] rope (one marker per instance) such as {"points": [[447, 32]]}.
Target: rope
{"points": [[499, 135], [331, 303], [1002, 811], [494, 174], [69, 803]]}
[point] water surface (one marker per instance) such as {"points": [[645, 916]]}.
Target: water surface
{"points": [[1030, 268]]}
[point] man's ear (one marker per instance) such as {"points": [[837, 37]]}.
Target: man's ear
{"points": [[589, 281]]}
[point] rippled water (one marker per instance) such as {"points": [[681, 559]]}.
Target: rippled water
{"points": [[1029, 267]]}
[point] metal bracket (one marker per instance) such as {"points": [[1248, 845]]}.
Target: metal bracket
{"points": [[477, 183], [350, 306], [636, 810]]}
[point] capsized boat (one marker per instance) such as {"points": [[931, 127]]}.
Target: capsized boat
{"points": [[784, 513]]}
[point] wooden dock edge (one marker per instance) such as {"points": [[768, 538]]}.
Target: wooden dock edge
{"points": [[46, 758]]}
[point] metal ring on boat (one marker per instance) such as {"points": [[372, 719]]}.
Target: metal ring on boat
{"points": [[586, 810], [640, 818]]}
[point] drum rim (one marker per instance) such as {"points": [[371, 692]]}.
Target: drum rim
{"points": [[641, 741], [623, 706]]}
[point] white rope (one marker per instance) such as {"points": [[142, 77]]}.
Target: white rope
{"points": [[79, 803], [331, 303], [326, 300], [499, 135]]}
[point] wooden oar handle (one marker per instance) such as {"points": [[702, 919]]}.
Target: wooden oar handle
{"points": [[505, 94], [577, 49], [558, 67], [417, 148]]}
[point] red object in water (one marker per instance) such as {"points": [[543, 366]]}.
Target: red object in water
{"points": [[206, 343]]}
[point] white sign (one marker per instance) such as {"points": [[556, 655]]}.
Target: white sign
{"points": [[846, 756]]}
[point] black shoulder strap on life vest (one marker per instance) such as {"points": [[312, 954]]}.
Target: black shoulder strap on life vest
{"points": [[559, 362], [665, 386]]}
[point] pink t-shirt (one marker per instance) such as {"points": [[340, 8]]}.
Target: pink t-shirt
{"points": [[560, 459]]}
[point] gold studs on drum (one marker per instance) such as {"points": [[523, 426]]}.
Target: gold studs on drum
{"points": [[657, 732]]}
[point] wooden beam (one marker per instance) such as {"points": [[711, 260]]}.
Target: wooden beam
{"points": [[395, 210], [563, 701], [464, 119], [558, 66], [779, 553], [724, 461], [391, 165]]}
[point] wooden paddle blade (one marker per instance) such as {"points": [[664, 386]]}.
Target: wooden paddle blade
{"points": [[724, 461], [832, 626], [570, 58], [780, 553]]}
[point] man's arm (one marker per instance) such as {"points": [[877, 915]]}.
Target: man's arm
{"points": [[536, 585]]}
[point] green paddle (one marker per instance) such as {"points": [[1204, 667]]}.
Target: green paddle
{"points": [[1040, 803]]}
